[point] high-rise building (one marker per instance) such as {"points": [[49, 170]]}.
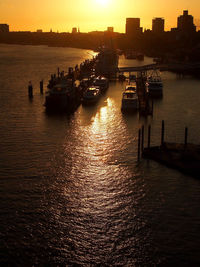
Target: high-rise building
{"points": [[74, 30], [133, 27], [158, 25], [185, 23], [4, 28], [110, 29]]}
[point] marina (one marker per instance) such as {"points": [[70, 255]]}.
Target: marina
{"points": [[72, 189]]}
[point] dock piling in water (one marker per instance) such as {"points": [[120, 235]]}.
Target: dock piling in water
{"points": [[186, 136], [152, 108], [30, 90], [41, 87], [139, 136], [162, 132], [149, 136], [142, 145]]}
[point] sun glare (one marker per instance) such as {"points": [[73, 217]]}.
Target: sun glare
{"points": [[102, 2]]}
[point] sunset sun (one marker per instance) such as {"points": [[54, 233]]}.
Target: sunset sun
{"points": [[102, 2]]}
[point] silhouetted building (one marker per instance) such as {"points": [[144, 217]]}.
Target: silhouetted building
{"points": [[40, 30], [185, 23], [74, 30], [4, 28], [133, 27], [158, 25], [110, 29]]}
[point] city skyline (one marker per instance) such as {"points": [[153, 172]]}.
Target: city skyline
{"points": [[91, 15]]}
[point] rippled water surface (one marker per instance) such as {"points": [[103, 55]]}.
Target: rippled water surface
{"points": [[71, 190]]}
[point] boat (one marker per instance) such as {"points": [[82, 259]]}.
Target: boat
{"points": [[107, 62], [130, 100], [121, 77], [154, 84], [91, 95], [102, 82], [63, 96], [140, 56], [131, 87], [132, 77], [130, 54]]}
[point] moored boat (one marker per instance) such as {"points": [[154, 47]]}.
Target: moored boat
{"points": [[63, 96], [130, 100], [154, 84], [102, 82], [140, 56], [91, 95]]}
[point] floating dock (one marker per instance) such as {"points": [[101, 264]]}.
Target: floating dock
{"points": [[184, 157], [177, 156]]}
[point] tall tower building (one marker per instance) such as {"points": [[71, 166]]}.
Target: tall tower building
{"points": [[133, 27], [158, 25], [74, 30], [185, 23], [110, 29]]}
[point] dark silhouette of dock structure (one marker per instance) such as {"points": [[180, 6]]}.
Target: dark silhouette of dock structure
{"points": [[179, 67], [184, 156], [143, 69]]}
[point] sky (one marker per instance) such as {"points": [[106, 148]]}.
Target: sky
{"points": [[91, 15]]}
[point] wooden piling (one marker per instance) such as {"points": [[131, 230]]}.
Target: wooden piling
{"points": [[186, 136], [139, 135], [152, 108], [142, 145], [41, 87], [149, 136], [162, 132], [30, 90]]}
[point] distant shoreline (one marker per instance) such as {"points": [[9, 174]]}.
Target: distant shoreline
{"points": [[2, 43]]}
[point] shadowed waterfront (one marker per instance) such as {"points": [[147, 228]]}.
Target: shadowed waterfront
{"points": [[71, 191]]}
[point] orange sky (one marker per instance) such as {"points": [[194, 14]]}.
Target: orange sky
{"points": [[91, 15]]}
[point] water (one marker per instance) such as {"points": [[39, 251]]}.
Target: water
{"points": [[71, 190]]}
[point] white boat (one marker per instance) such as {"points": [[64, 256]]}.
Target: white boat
{"points": [[131, 87], [63, 96], [91, 95], [130, 100], [154, 84], [102, 82]]}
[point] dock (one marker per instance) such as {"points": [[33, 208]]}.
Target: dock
{"points": [[184, 157], [177, 156]]}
